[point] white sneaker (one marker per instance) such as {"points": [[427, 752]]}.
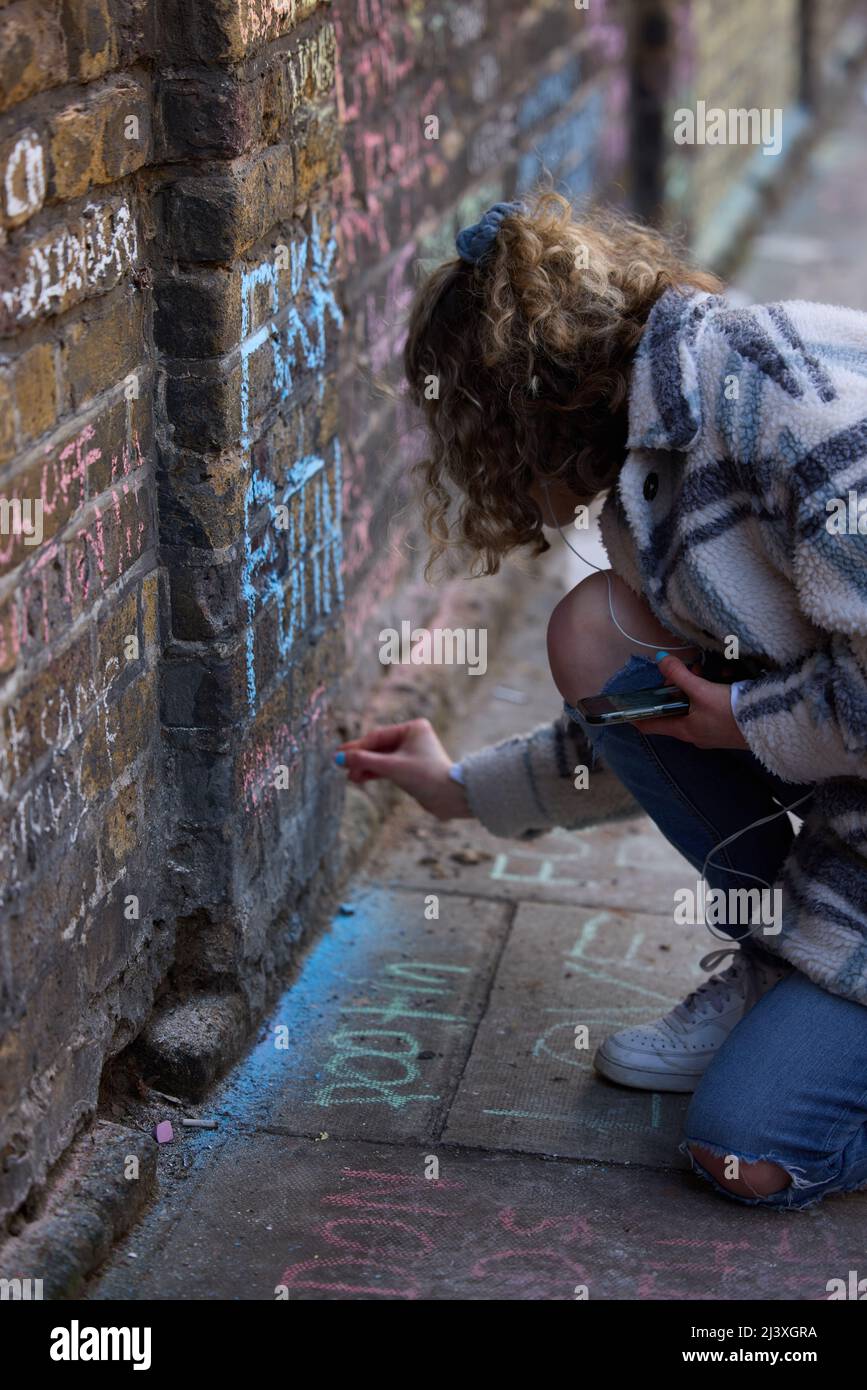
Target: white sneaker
{"points": [[672, 1053]]}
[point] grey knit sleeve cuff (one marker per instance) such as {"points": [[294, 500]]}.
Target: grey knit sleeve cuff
{"points": [[527, 785]]}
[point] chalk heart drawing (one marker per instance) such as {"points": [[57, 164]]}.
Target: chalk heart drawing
{"points": [[295, 334]]}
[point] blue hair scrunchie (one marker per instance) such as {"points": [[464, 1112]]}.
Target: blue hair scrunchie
{"points": [[474, 242]]}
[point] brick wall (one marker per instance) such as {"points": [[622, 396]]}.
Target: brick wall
{"points": [[84, 941], [210, 221], [211, 217]]}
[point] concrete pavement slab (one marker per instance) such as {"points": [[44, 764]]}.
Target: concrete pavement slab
{"points": [[283, 1218], [379, 1024], [626, 867], [527, 1085]]}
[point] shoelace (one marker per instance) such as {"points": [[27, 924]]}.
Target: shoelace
{"points": [[680, 1017]]}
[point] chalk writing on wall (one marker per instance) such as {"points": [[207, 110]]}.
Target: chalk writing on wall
{"points": [[295, 335], [23, 182], [65, 267], [56, 800], [70, 570], [281, 749]]}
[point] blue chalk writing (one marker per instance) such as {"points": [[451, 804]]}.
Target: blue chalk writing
{"points": [[296, 332]]}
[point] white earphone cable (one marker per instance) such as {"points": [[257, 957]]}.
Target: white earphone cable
{"points": [[654, 646]]}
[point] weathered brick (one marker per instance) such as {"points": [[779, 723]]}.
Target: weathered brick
{"points": [[131, 722], [198, 314], [92, 37], [205, 409], [103, 346], [200, 692], [317, 144], [122, 828], [100, 138], [210, 30], [32, 50], [28, 407], [199, 767], [149, 605], [36, 393], [10, 633], [208, 114], [225, 113], [8, 440], [51, 711], [112, 631], [217, 217], [94, 767], [206, 598], [202, 499]]}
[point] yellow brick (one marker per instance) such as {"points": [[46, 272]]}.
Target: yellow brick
{"points": [[36, 391]]}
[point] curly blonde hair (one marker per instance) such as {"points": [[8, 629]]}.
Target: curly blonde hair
{"points": [[530, 350]]}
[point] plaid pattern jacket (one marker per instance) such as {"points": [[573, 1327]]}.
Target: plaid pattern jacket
{"points": [[738, 513]]}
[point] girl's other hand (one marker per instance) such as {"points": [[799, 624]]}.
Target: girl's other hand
{"points": [[411, 756]]}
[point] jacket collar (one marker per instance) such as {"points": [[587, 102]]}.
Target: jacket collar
{"points": [[664, 393]]}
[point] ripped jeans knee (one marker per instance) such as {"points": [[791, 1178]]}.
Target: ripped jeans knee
{"points": [[806, 1185]]}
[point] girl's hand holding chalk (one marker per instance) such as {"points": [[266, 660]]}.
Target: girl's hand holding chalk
{"points": [[411, 756]]}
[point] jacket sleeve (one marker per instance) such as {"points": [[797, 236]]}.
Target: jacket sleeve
{"points": [[789, 441], [807, 720], [524, 786]]}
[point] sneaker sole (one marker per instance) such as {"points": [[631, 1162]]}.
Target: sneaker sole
{"points": [[645, 1079]]}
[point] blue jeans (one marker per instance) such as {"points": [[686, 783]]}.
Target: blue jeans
{"points": [[789, 1085]]}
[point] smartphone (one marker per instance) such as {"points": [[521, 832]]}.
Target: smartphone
{"points": [[634, 704]]}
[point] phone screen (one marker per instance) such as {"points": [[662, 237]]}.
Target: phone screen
{"points": [[633, 704]]}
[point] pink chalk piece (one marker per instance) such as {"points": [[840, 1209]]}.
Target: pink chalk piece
{"points": [[163, 1132]]}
